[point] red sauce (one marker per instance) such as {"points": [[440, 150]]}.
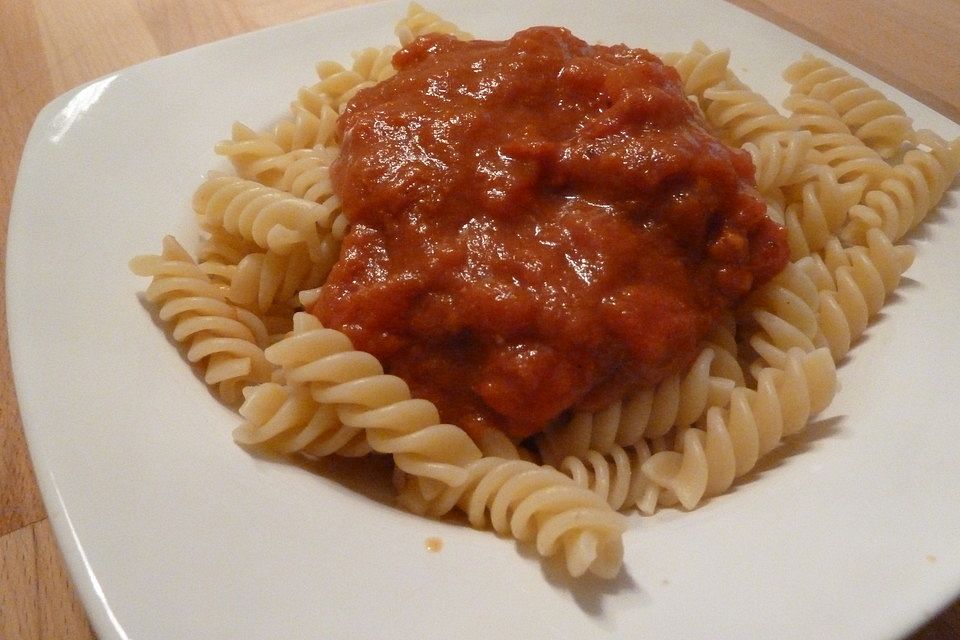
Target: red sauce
{"points": [[537, 225]]}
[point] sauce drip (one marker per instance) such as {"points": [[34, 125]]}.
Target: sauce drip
{"points": [[537, 225]]}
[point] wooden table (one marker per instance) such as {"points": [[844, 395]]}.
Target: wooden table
{"points": [[48, 47]]}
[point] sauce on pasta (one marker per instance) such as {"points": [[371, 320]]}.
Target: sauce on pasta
{"points": [[537, 225]]}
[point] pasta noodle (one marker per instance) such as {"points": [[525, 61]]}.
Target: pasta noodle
{"points": [[904, 199], [700, 69], [534, 502], [225, 340], [881, 124], [650, 413], [353, 383], [780, 159], [842, 170], [263, 280], [270, 218], [708, 459], [288, 420]]}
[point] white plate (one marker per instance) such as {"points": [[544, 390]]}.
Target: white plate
{"points": [[171, 531]]}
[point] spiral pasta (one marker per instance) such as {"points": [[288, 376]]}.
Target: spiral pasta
{"points": [[263, 280], [365, 398], [271, 218], [826, 301], [250, 152], [707, 460], [849, 159], [616, 476], [815, 212], [880, 123], [535, 503], [780, 159], [419, 21], [306, 174], [650, 413], [741, 116], [843, 171], [916, 185], [286, 419], [700, 69], [226, 341]]}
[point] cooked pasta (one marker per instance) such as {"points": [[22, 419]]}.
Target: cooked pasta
{"points": [[263, 280], [616, 476], [365, 398], [286, 419], [271, 218], [533, 502], [850, 160], [650, 413], [700, 69], [842, 170], [226, 341], [780, 159], [707, 460], [419, 21], [815, 210], [250, 152], [879, 123], [826, 300], [741, 116], [908, 195]]}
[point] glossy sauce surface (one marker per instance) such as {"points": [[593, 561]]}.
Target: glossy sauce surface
{"points": [[537, 225]]}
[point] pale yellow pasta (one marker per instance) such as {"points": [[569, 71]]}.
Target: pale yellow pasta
{"points": [[375, 65], [286, 419], [311, 126], [316, 111], [850, 160], [267, 169], [814, 115], [826, 301], [305, 128], [707, 460], [224, 248], [700, 69], [307, 175], [914, 188], [533, 503], [365, 398], [224, 340], [785, 314], [264, 280], [780, 159], [273, 232], [271, 218], [815, 211], [880, 123], [862, 278], [740, 115], [616, 476], [677, 401], [336, 85], [247, 148], [419, 22]]}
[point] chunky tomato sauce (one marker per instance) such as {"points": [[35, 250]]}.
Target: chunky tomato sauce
{"points": [[537, 225]]}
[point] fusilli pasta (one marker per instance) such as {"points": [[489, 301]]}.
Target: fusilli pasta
{"points": [[843, 171], [226, 341], [879, 123]]}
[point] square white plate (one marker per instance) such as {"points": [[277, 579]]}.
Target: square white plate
{"points": [[171, 531]]}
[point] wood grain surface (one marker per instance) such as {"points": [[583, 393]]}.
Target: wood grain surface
{"points": [[50, 46]]}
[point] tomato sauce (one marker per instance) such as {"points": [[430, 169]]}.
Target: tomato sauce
{"points": [[537, 225]]}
